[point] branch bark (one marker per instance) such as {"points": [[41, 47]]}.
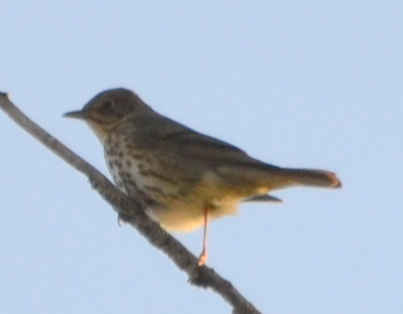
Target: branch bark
{"points": [[131, 211]]}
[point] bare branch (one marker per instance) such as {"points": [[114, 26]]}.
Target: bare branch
{"points": [[131, 211]]}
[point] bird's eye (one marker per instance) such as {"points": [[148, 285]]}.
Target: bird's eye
{"points": [[106, 105]]}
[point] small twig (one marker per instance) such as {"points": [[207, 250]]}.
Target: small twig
{"points": [[131, 211]]}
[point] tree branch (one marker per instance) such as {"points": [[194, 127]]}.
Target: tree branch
{"points": [[131, 211]]}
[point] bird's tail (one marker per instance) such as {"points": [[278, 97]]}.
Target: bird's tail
{"points": [[285, 177]]}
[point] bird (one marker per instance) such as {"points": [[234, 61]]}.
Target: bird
{"points": [[185, 179]]}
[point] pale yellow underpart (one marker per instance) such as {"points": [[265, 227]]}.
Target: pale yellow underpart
{"points": [[190, 215]]}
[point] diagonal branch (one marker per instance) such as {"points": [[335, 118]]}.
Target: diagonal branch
{"points": [[131, 211]]}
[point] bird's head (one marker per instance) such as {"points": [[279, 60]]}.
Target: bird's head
{"points": [[108, 108]]}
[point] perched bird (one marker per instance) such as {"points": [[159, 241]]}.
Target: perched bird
{"points": [[184, 178]]}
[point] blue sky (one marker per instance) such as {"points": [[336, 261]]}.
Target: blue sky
{"points": [[295, 83]]}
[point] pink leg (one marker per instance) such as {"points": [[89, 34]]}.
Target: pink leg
{"points": [[203, 255]]}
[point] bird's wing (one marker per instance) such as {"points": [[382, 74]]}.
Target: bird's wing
{"points": [[171, 136]]}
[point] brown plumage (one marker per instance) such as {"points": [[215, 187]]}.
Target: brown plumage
{"points": [[184, 177]]}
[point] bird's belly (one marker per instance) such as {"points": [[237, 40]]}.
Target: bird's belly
{"points": [[188, 214], [183, 206], [178, 202]]}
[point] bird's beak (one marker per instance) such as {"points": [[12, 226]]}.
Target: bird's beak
{"points": [[79, 114]]}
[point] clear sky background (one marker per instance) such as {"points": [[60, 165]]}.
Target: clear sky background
{"points": [[294, 83]]}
